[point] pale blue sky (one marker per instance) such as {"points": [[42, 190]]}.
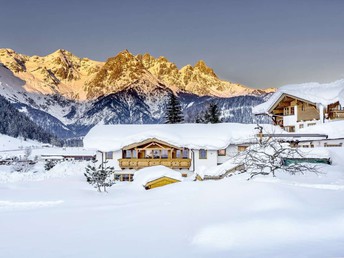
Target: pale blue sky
{"points": [[265, 43]]}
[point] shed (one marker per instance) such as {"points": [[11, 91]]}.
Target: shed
{"points": [[162, 181], [156, 176]]}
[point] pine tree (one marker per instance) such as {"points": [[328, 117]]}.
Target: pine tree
{"points": [[99, 177], [211, 115], [174, 114], [16, 124]]}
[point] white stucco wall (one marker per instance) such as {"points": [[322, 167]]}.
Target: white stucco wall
{"points": [[305, 124], [321, 143], [210, 161], [101, 156], [289, 120]]}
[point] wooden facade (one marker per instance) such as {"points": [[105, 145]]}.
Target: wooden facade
{"points": [[307, 111], [335, 111], [153, 152]]}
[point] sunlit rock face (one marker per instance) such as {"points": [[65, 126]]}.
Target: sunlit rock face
{"points": [[81, 78]]}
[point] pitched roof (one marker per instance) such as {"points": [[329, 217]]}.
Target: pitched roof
{"points": [[314, 92], [193, 136]]}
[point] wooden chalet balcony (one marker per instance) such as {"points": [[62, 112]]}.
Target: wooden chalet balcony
{"points": [[135, 163], [337, 114]]}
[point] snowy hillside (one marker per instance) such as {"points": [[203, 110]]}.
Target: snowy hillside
{"points": [[11, 143], [61, 215]]}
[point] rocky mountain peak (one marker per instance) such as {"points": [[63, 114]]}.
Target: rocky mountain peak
{"points": [[73, 77], [61, 51], [203, 68]]}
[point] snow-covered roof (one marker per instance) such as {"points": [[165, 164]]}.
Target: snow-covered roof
{"points": [[146, 175], [334, 129], [219, 169], [314, 92], [193, 136]]}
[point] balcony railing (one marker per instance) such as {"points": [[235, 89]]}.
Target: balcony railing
{"points": [[142, 163]]}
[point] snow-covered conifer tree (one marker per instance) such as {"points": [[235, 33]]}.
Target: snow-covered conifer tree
{"points": [[174, 114], [99, 176]]}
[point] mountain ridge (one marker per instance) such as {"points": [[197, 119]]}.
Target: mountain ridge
{"points": [[62, 72]]}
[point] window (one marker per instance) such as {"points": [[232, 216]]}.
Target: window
{"points": [[289, 111], [290, 129], [128, 154], [303, 108], [292, 111], [109, 155], [156, 154], [164, 154], [185, 153], [126, 177], [300, 126], [221, 152], [134, 154], [179, 154], [311, 124], [242, 148], [148, 154], [202, 154]]}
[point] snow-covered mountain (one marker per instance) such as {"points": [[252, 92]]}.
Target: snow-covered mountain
{"points": [[81, 78], [58, 73], [67, 95]]}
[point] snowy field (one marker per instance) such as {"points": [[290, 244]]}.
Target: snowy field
{"points": [[57, 214]]}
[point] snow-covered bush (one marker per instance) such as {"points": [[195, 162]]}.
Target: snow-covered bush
{"points": [[50, 164], [22, 166]]}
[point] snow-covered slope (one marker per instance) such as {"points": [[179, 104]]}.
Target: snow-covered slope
{"points": [[58, 214], [10, 143]]}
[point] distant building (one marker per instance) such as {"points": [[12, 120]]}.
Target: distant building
{"points": [[68, 154], [296, 107]]}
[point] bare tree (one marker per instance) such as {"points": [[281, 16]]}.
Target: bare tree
{"points": [[270, 155]]}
